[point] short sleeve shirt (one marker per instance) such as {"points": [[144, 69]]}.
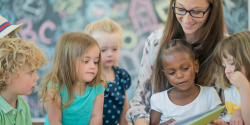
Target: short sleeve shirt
{"points": [[114, 96], [80, 110], [11, 116], [232, 101], [207, 99]]}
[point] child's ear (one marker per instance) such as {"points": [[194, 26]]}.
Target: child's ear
{"points": [[196, 66], [7, 78]]}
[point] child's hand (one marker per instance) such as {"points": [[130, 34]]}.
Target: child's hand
{"points": [[239, 80], [236, 118], [168, 122], [218, 121]]}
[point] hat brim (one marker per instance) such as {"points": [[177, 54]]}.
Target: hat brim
{"points": [[11, 28]]}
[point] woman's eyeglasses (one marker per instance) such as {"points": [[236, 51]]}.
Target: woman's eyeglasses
{"points": [[193, 13]]}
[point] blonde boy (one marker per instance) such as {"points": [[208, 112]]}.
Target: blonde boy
{"points": [[19, 62]]}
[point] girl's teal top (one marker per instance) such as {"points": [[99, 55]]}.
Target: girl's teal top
{"points": [[79, 112]]}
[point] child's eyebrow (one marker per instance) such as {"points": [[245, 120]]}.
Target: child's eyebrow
{"points": [[90, 57], [107, 47], [184, 63], [168, 69]]}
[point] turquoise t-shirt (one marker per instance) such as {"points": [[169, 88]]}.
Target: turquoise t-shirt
{"points": [[79, 112]]}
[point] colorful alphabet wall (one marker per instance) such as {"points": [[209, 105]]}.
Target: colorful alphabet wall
{"points": [[45, 20]]}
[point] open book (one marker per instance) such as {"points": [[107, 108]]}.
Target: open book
{"points": [[202, 118]]}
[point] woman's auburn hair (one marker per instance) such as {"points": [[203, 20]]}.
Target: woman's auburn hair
{"points": [[62, 71], [213, 33], [238, 46]]}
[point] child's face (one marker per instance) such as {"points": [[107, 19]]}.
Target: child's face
{"points": [[180, 69], [87, 65], [24, 83], [109, 45], [229, 65]]}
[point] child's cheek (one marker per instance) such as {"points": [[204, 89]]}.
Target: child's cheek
{"points": [[103, 57], [26, 87]]}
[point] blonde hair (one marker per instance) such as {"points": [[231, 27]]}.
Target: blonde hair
{"points": [[106, 25], [237, 45], [63, 72], [16, 54]]}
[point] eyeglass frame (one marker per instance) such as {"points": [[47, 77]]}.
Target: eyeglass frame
{"points": [[204, 12]]}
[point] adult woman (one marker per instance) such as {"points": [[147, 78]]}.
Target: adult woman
{"points": [[200, 23]]}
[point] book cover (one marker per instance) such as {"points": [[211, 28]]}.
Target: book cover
{"points": [[202, 118]]}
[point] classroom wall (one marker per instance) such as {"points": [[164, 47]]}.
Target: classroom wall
{"points": [[45, 20]]}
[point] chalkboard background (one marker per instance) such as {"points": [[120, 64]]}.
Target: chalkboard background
{"points": [[45, 20]]}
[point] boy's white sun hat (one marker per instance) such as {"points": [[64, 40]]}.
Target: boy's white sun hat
{"points": [[6, 27]]}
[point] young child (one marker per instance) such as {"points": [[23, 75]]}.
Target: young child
{"points": [[73, 88], [232, 60], [109, 37], [19, 62], [177, 95], [8, 30]]}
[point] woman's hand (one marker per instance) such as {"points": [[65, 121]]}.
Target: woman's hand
{"points": [[218, 121], [236, 119]]}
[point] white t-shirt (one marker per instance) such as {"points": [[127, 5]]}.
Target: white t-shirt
{"points": [[207, 99]]}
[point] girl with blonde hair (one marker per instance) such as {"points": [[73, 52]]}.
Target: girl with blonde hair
{"points": [[232, 61], [72, 89], [109, 37]]}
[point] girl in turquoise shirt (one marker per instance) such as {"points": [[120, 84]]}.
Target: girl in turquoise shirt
{"points": [[72, 89]]}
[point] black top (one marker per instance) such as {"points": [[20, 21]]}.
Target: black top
{"points": [[114, 96]]}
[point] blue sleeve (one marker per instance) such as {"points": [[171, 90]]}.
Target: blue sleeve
{"points": [[49, 85], [100, 88], [126, 79], [56, 87]]}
